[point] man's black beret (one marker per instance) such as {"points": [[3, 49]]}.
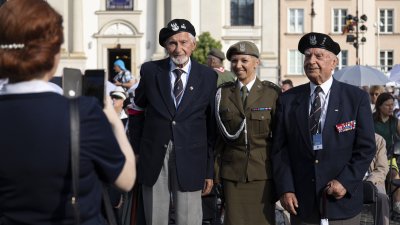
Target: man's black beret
{"points": [[173, 27], [318, 40]]}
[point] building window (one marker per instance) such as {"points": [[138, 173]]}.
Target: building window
{"points": [[342, 60], [119, 5], [339, 20], [386, 60], [242, 12], [386, 18], [296, 20], [295, 65]]}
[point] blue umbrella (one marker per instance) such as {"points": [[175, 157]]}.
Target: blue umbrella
{"points": [[359, 75], [395, 73]]}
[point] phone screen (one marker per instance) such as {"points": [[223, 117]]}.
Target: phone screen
{"points": [[93, 85], [72, 82]]}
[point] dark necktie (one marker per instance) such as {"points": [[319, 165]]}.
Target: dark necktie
{"points": [[315, 112], [178, 86], [245, 92]]}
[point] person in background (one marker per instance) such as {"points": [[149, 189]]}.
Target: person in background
{"points": [[215, 59], [123, 77], [286, 85], [178, 135], [118, 97], [323, 141], [388, 127], [374, 92], [35, 171], [376, 174], [245, 112]]}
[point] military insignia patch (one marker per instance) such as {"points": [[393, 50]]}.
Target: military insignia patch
{"points": [[242, 47], [174, 26], [183, 26], [313, 40], [351, 125]]}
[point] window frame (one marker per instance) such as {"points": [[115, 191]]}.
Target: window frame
{"points": [[298, 64], [384, 20], [340, 19], [298, 24], [384, 62], [235, 19]]}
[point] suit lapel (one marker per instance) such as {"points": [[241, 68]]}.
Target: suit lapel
{"points": [[164, 85], [332, 113], [192, 87], [302, 116]]}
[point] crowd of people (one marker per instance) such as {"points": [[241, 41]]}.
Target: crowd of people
{"points": [[190, 128]]}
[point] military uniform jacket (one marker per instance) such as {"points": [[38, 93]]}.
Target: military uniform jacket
{"points": [[235, 161]]}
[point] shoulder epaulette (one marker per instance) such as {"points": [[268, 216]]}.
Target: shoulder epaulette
{"points": [[272, 85], [227, 84]]}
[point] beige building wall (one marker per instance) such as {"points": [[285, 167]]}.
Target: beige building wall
{"points": [[368, 52]]}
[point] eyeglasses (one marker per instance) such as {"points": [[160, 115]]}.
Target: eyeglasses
{"points": [[374, 94]]}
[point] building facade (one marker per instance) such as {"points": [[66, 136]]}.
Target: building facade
{"points": [[376, 44], [99, 31]]}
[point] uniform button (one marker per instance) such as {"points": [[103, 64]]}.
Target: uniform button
{"points": [[316, 161], [173, 123], [165, 146], [262, 117], [313, 180]]}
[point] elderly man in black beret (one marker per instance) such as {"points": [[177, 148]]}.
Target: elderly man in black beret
{"points": [[215, 59], [323, 141], [176, 95]]}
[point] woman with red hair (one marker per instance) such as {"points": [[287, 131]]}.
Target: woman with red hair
{"points": [[35, 171]]}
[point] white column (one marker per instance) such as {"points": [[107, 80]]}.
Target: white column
{"points": [[160, 23], [77, 28]]}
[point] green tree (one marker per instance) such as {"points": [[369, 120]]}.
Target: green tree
{"points": [[204, 44]]}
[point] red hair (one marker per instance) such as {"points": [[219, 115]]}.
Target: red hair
{"points": [[36, 25]]}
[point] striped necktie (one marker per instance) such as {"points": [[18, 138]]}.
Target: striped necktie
{"points": [[315, 112], [178, 85]]}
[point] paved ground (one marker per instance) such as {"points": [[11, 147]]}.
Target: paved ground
{"points": [[367, 218]]}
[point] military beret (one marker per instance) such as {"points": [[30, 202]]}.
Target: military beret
{"points": [[318, 40], [173, 27], [217, 53], [242, 48]]}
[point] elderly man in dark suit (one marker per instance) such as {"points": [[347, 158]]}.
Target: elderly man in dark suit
{"points": [[323, 141], [176, 144]]}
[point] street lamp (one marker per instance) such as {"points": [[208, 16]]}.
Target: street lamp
{"points": [[354, 26]]}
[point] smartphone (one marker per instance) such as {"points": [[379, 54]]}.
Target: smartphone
{"points": [[72, 82], [93, 85]]}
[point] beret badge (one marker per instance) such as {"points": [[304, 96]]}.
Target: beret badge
{"points": [[313, 40], [174, 27], [242, 47]]}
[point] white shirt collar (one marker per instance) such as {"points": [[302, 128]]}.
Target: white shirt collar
{"points": [[33, 86], [249, 85], [325, 86], [185, 68]]}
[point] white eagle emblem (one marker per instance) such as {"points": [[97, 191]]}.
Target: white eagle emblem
{"points": [[313, 40], [174, 26], [183, 26], [242, 47]]}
